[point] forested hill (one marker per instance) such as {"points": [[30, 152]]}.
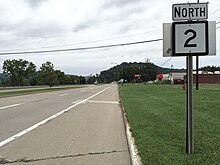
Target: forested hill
{"points": [[128, 71]]}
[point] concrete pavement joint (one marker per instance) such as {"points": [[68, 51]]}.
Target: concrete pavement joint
{"points": [[103, 102], [65, 94], [74, 102], [24, 160]]}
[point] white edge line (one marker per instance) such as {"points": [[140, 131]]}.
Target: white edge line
{"points": [[48, 119], [9, 106]]}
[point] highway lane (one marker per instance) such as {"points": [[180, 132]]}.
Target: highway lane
{"points": [[92, 132], [21, 112]]}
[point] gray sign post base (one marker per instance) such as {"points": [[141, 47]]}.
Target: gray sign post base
{"points": [[189, 117]]}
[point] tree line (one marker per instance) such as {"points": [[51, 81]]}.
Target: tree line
{"points": [[210, 68], [141, 72], [23, 73]]}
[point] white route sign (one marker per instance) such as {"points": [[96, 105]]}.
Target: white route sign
{"points": [[190, 11], [190, 38], [168, 39]]}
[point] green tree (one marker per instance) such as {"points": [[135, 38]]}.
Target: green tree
{"points": [[19, 71], [92, 79], [82, 80], [210, 68], [60, 77], [47, 74]]}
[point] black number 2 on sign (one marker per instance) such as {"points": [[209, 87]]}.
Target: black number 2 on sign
{"points": [[190, 38], [187, 43]]}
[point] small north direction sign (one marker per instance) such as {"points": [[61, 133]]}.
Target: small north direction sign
{"points": [[190, 11]]}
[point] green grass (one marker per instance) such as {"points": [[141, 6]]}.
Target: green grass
{"points": [[32, 91], [157, 116]]}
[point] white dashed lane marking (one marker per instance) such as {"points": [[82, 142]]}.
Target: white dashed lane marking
{"points": [[9, 106]]}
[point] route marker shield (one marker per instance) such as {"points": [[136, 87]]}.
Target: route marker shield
{"points": [[190, 38]]}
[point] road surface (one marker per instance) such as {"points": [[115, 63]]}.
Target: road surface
{"points": [[76, 126]]}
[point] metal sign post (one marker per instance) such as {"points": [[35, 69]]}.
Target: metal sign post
{"points": [[197, 72], [197, 69], [189, 114]]}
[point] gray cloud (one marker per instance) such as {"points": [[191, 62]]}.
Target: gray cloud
{"points": [[39, 30], [29, 29], [35, 3], [125, 13], [85, 24], [119, 3]]}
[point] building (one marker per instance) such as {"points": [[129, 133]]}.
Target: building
{"points": [[207, 78], [178, 78], [175, 78]]}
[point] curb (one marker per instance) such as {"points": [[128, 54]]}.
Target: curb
{"points": [[134, 156]]}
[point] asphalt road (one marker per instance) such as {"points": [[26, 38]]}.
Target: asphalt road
{"points": [[77, 126]]}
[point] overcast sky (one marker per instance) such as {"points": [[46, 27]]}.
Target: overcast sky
{"points": [[29, 25]]}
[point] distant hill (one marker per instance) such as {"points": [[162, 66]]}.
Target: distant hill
{"points": [[133, 72]]}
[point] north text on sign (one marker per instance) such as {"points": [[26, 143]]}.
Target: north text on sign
{"points": [[190, 11]]}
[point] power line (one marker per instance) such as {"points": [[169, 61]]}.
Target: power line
{"points": [[86, 42], [166, 61], [78, 49]]}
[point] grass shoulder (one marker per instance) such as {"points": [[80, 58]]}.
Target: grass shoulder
{"points": [[157, 116], [29, 91]]}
